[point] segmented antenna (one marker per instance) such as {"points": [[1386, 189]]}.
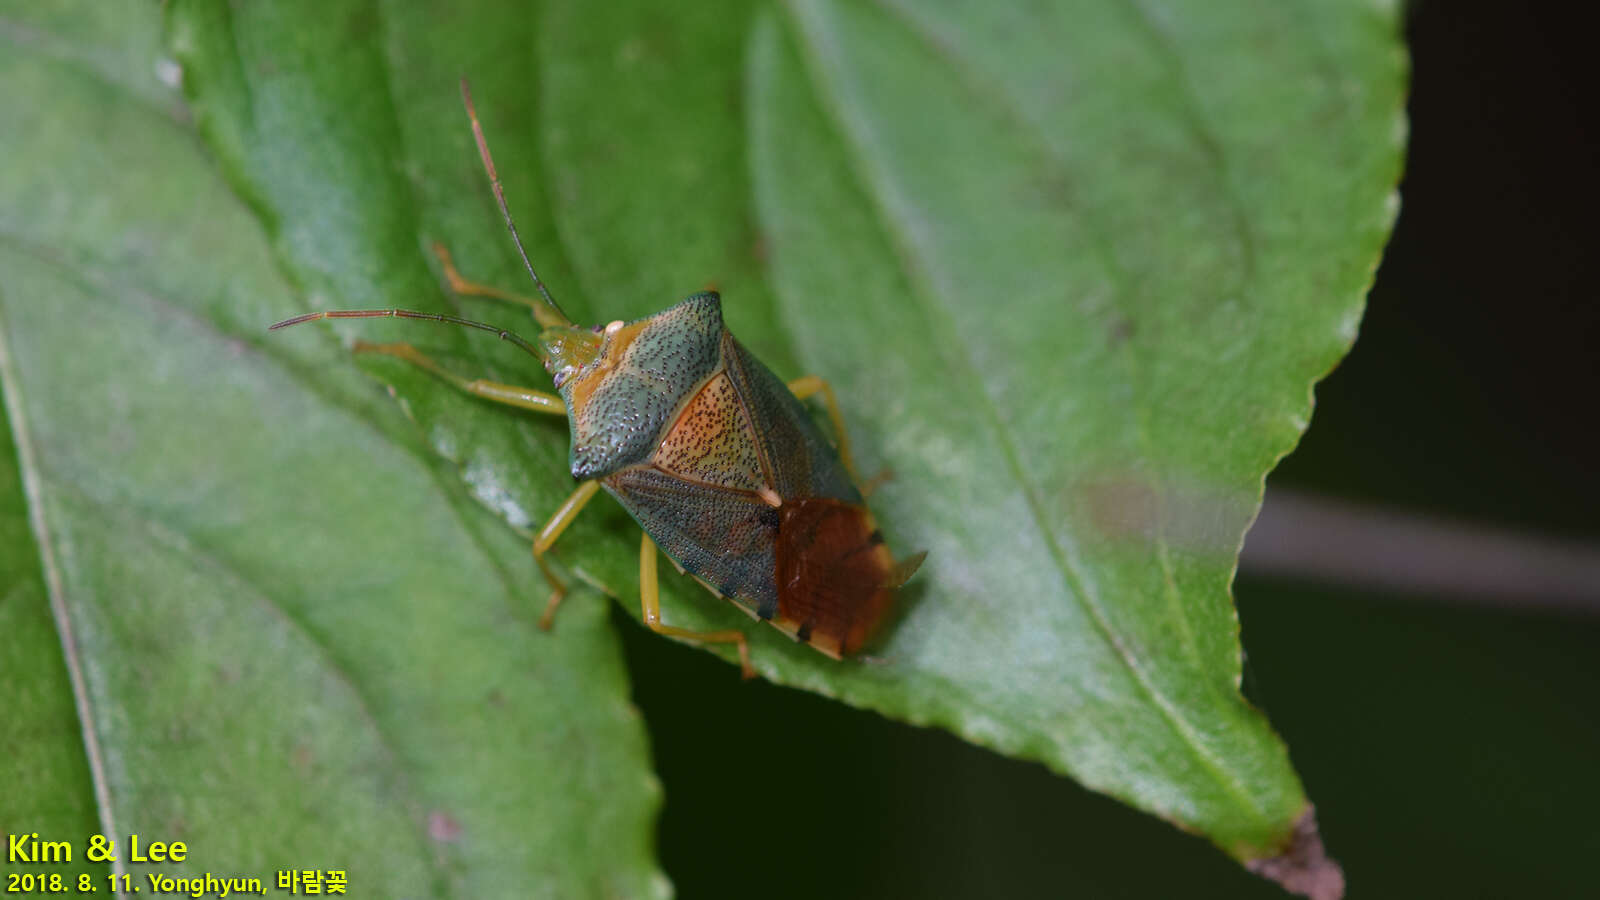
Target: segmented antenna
{"points": [[501, 333], [500, 195]]}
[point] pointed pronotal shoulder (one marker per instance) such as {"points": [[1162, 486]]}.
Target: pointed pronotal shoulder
{"points": [[620, 401]]}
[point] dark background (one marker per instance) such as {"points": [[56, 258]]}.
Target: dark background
{"points": [[1451, 746]]}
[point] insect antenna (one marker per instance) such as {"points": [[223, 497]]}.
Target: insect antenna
{"points": [[501, 333], [543, 316]]}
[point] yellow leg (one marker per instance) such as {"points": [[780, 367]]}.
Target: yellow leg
{"points": [[807, 385], [462, 286], [546, 538], [650, 600], [526, 398]]}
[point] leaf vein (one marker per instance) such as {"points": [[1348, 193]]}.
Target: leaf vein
{"points": [[33, 490]]}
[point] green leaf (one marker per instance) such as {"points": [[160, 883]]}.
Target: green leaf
{"points": [[1073, 272], [295, 640], [1124, 244]]}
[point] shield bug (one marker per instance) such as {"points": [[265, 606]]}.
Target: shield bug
{"points": [[711, 453]]}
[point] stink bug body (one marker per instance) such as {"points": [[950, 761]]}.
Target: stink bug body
{"points": [[712, 455]]}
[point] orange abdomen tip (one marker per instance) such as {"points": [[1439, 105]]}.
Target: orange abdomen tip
{"points": [[836, 578]]}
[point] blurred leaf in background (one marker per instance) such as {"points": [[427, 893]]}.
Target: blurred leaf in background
{"points": [[1073, 273]]}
